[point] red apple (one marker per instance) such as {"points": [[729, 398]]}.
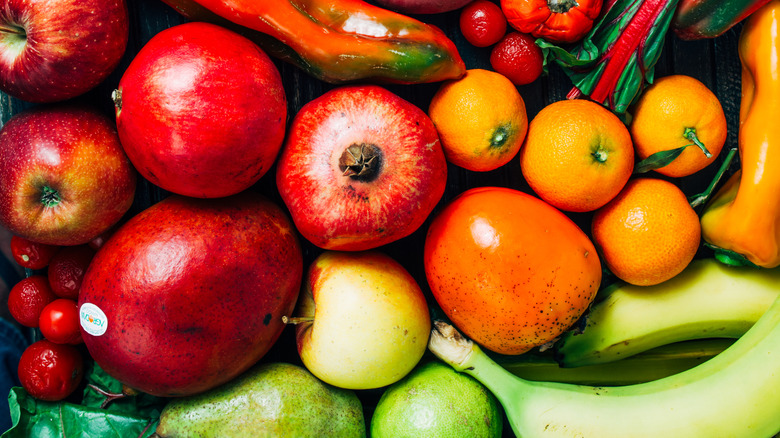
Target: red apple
{"points": [[190, 292], [53, 50], [361, 168], [201, 111], [64, 178]]}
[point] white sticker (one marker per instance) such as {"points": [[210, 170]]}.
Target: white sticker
{"points": [[93, 320]]}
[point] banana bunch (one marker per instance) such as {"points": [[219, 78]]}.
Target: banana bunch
{"points": [[707, 300], [735, 393]]}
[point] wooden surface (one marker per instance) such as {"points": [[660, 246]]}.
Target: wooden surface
{"points": [[714, 62]]}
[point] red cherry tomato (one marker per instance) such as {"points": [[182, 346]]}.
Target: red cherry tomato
{"points": [[518, 58], [67, 268], [31, 255], [27, 299], [49, 371], [482, 23], [59, 322]]}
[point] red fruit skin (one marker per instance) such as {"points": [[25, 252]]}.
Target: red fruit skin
{"points": [[59, 322], [31, 255], [28, 298], [71, 46], [201, 111], [75, 151], [518, 58], [67, 268], [193, 292], [482, 23], [49, 371], [337, 212]]}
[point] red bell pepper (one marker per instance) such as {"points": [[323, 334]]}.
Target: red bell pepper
{"points": [[560, 21]]}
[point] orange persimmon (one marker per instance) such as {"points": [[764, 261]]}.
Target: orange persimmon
{"points": [[508, 269]]}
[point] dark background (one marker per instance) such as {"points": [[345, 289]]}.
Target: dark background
{"points": [[714, 62]]}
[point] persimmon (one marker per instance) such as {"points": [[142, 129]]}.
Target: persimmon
{"points": [[508, 269]]}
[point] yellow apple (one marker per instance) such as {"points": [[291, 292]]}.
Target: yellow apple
{"points": [[362, 320]]}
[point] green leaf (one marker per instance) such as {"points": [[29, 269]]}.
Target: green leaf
{"points": [[144, 405], [124, 417], [659, 159], [41, 419]]}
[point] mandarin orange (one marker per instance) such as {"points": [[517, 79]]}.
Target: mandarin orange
{"points": [[648, 233], [481, 120], [577, 155], [679, 111]]}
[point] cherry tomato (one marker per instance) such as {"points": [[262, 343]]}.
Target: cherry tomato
{"points": [[59, 322], [49, 371], [27, 299], [67, 268], [31, 255], [482, 23], [518, 58]]}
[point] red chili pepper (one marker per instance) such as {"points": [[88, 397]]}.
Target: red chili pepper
{"points": [[559, 21]]}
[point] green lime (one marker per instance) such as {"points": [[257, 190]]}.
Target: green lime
{"points": [[434, 400]]}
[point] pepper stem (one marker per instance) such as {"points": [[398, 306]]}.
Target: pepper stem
{"points": [[690, 134], [561, 6], [701, 198]]}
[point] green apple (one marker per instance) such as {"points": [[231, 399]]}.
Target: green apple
{"points": [[362, 320]]}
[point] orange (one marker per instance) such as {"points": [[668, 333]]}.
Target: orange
{"points": [[508, 269], [669, 114], [648, 233], [481, 120], [577, 155]]}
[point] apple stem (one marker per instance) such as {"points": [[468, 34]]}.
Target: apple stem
{"points": [[16, 30], [297, 319]]}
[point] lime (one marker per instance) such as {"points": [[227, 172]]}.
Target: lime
{"points": [[434, 400]]}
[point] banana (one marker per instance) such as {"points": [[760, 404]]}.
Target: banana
{"points": [[734, 394], [707, 300], [648, 365]]}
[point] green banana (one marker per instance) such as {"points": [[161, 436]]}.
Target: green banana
{"points": [[646, 366], [707, 300], [734, 394]]}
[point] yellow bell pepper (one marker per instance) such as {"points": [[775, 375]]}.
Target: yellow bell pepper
{"points": [[744, 215]]}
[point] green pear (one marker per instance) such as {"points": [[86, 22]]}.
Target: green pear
{"points": [[269, 400]]}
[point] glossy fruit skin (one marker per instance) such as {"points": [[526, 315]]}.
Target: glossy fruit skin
{"points": [[435, 400], [31, 255], [577, 155], [193, 292], [28, 298], [59, 322], [49, 371], [482, 23], [481, 119], [201, 111], [508, 269], [667, 109], [517, 57], [72, 152], [67, 268], [371, 320], [70, 46], [353, 213], [648, 233]]}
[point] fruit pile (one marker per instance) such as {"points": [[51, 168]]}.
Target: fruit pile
{"points": [[389, 219]]}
